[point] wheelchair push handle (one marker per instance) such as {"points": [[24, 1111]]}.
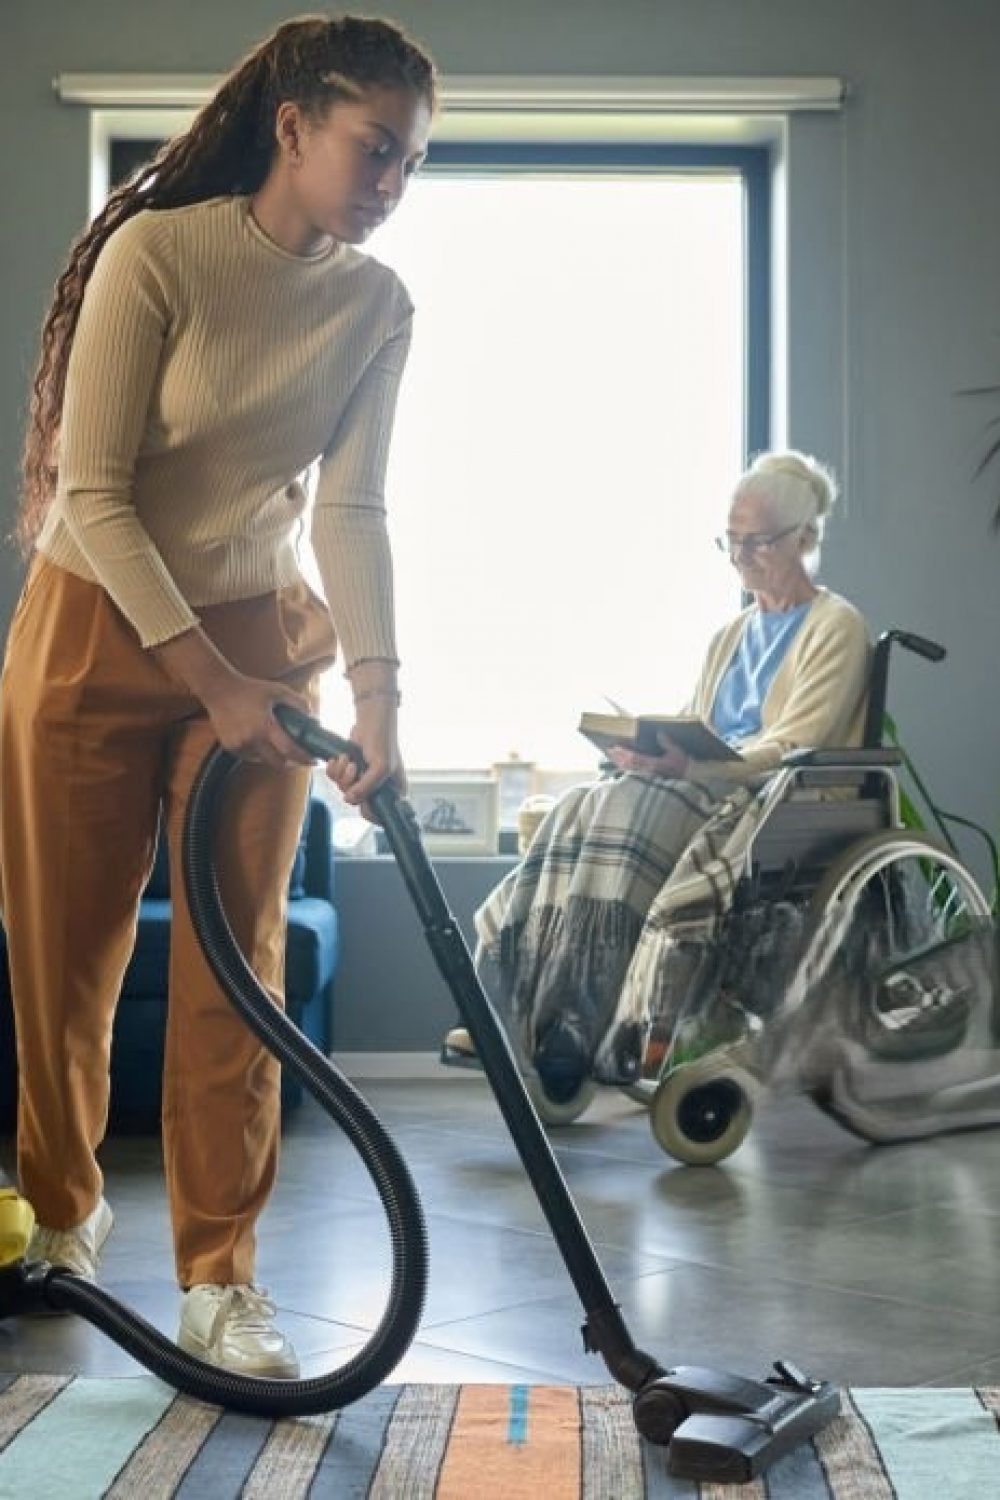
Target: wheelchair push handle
{"points": [[878, 682], [918, 643]]}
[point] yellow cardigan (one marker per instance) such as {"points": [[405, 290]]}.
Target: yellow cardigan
{"points": [[818, 694]]}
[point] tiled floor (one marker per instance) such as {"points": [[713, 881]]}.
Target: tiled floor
{"points": [[865, 1265]]}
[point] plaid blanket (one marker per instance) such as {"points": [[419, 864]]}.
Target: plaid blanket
{"points": [[583, 930]]}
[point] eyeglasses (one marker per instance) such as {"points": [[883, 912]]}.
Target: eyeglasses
{"points": [[754, 541]]}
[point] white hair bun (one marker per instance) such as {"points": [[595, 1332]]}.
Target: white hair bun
{"points": [[798, 482], [802, 472]]}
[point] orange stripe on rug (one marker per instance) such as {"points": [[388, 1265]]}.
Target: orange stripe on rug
{"points": [[493, 1451]]}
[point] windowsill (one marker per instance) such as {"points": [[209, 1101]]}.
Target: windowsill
{"points": [[435, 859], [506, 848]]}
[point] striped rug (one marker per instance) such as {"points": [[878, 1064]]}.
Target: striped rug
{"points": [[64, 1438]]}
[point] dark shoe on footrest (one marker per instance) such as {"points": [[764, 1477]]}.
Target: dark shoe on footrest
{"points": [[562, 1062], [619, 1059]]}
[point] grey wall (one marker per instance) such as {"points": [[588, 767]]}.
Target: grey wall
{"points": [[388, 994], [894, 275]]}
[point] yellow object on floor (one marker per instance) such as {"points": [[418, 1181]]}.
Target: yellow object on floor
{"points": [[17, 1223]]}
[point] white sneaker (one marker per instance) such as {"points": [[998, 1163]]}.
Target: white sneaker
{"points": [[78, 1249], [231, 1326]]}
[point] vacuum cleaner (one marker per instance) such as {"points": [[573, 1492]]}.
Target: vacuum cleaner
{"points": [[716, 1426]]}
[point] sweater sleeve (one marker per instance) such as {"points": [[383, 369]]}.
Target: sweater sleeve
{"points": [[114, 360], [349, 532], [829, 675]]}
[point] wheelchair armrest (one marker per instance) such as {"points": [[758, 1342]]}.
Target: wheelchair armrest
{"points": [[848, 759]]}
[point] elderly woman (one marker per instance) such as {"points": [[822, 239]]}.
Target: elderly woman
{"points": [[790, 671]]}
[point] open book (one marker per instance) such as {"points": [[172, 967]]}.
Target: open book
{"points": [[639, 732]]}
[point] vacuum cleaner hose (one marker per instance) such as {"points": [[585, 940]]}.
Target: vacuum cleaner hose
{"points": [[718, 1426], [342, 1102]]}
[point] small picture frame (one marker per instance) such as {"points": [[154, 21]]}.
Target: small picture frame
{"points": [[457, 815]]}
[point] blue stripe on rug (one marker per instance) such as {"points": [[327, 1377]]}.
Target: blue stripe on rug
{"points": [[352, 1455], [934, 1443], [798, 1476], [225, 1460], [661, 1485], [517, 1416], [78, 1443]]}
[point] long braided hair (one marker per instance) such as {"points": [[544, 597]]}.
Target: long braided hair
{"points": [[228, 149]]}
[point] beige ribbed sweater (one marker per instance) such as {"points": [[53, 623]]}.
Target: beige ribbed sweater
{"points": [[209, 369], [818, 694]]}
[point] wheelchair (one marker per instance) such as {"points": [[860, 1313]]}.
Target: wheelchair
{"points": [[879, 998], [856, 967]]}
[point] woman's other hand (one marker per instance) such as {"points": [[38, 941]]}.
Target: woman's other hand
{"points": [[240, 708], [243, 719], [673, 763], [375, 733]]}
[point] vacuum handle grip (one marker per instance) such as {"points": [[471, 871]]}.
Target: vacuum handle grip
{"points": [[310, 735], [398, 820]]}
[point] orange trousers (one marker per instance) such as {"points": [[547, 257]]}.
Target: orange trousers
{"points": [[97, 741]]}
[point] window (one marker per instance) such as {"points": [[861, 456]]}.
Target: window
{"points": [[579, 398]]}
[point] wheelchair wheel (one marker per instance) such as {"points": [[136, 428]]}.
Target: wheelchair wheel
{"points": [[561, 1112], [896, 991], [700, 1112], [915, 889], [885, 911]]}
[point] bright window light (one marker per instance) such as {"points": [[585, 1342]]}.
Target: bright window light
{"points": [[569, 428]]}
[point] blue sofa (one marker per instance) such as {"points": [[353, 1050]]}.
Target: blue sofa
{"points": [[140, 1024]]}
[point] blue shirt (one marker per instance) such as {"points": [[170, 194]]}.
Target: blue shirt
{"points": [[764, 644]]}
